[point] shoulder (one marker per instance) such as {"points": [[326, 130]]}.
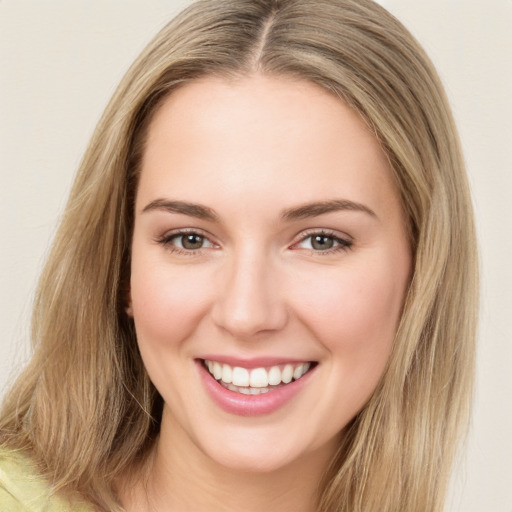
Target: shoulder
{"points": [[22, 489]]}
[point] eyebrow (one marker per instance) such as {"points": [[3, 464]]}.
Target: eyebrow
{"points": [[298, 212], [322, 207], [190, 209]]}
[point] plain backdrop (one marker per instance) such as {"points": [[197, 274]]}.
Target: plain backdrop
{"points": [[60, 61]]}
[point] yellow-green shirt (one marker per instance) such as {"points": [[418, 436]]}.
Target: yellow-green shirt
{"points": [[23, 490]]}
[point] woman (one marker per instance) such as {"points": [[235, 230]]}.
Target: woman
{"points": [[262, 293]]}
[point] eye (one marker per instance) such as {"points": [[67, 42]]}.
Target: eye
{"points": [[186, 241], [323, 242], [190, 241]]}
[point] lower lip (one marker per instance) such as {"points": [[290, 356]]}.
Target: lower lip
{"points": [[250, 405]]}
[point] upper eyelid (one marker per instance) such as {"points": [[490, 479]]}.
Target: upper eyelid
{"points": [[185, 231], [344, 241], [325, 232], [166, 240], [303, 235]]}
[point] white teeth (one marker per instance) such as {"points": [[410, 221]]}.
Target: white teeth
{"points": [[300, 370], [274, 376], [257, 380], [227, 374], [217, 370], [297, 373], [240, 376], [246, 390], [287, 374]]}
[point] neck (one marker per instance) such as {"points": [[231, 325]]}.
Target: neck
{"points": [[179, 476]]}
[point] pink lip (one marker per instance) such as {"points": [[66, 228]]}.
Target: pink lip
{"points": [[250, 405], [254, 362]]}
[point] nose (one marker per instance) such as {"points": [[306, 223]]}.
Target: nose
{"points": [[250, 299]]}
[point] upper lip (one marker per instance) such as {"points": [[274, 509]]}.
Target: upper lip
{"points": [[253, 362]]}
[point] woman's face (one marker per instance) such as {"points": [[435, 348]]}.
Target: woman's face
{"points": [[269, 245]]}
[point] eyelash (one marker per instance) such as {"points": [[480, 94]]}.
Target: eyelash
{"points": [[167, 241], [342, 244]]}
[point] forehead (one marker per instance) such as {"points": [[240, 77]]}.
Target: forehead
{"points": [[277, 137]]}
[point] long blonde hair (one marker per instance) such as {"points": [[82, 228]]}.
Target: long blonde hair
{"points": [[84, 407]]}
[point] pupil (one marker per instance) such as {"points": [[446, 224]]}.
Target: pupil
{"points": [[192, 241], [322, 242]]}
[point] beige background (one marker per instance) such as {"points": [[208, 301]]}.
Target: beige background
{"points": [[59, 63]]}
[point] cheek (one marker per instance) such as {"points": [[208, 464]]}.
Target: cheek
{"points": [[167, 302], [354, 310], [353, 313]]}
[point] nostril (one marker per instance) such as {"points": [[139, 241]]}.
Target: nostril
{"points": [[246, 303]]}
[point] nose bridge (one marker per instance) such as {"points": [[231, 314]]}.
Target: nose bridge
{"points": [[249, 300]]}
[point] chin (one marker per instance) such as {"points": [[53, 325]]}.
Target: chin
{"points": [[253, 461], [267, 449]]}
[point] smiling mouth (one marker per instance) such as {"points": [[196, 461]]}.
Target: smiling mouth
{"points": [[256, 381]]}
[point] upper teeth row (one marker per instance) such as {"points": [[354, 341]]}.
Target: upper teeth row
{"points": [[257, 377]]}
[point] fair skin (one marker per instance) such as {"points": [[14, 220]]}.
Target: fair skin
{"points": [[268, 232]]}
